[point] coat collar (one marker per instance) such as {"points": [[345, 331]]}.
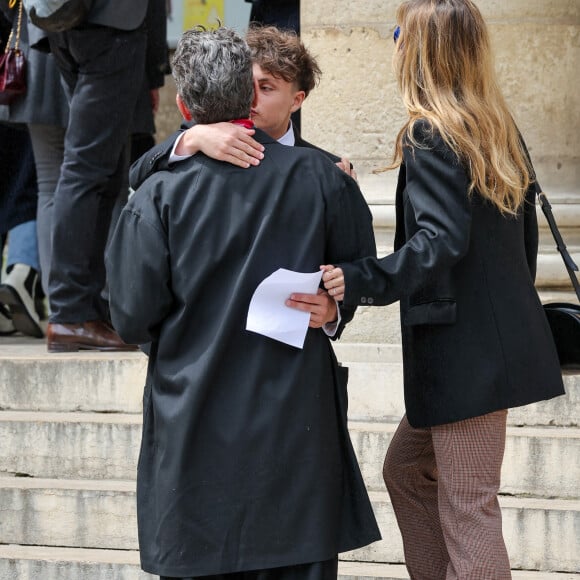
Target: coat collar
{"points": [[262, 137]]}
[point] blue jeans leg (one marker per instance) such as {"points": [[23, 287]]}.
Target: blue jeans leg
{"points": [[23, 246]]}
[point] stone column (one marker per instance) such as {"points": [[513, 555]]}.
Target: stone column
{"points": [[356, 110]]}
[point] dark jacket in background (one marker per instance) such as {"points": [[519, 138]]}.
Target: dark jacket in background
{"points": [[18, 188], [279, 13], [156, 66], [45, 102], [123, 14]]}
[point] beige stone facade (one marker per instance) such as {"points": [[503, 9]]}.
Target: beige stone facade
{"points": [[356, 111]]}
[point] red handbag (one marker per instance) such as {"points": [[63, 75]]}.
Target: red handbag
{"points": [[13, 66]]}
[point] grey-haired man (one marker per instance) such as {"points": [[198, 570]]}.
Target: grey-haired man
{"points": [[246, 467]]}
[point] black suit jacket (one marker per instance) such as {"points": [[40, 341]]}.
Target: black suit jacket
{"points": [[157, 159], [246, 462], [124, 15], [475, 337]]}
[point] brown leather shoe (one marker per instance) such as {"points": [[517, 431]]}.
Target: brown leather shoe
{"points": [[92, 335]]}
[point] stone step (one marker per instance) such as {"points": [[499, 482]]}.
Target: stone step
{"points": [[70, 445], [540, 534], [539, 461], [374, 571], [46, 563], [376, 394], [68, 513], [35, 380], [38, 562]]}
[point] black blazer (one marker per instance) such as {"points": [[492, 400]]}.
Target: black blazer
{"points": [[126, 15], [475, 337], [157, 159]]}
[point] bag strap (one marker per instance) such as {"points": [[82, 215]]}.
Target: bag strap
{"points": [[18, 28], [571, 267]]}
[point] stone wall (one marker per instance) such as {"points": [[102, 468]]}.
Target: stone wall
{"points": [[356, 110]]}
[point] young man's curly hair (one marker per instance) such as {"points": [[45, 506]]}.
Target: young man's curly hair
{"points": [[282, 54]]}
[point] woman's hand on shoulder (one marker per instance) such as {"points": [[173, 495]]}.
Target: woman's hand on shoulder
{"points": [[347, 167]]}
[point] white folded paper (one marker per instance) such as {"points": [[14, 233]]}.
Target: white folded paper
{"points": [[268, 314]]}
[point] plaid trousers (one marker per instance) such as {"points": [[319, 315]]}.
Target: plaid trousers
{"points": [[443, 483]]}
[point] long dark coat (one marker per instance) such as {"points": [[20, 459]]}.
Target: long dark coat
{"points": [[475, 337], [246, 461]]}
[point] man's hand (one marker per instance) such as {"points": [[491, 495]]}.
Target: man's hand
{"points": [[321, 306], [222, 141], [345, 165], [333, 279]]}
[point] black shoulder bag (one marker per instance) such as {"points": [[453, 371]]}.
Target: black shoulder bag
{"points": [[563, 317]]}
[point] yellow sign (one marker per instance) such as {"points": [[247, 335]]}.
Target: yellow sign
{"points": [[208, 13]]}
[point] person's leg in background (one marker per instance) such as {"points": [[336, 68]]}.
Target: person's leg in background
{"points": [[103, 70], [6, 325], [443, 483], [18, 202], [48, 146], [18, 290]]}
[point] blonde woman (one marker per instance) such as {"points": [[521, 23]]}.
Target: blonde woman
{"points": [[475, 339]]}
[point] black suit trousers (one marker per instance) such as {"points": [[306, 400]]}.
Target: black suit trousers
{"points": [[103, 71], [327, 570]]}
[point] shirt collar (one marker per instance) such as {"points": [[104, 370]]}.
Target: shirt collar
{"points": [[288, 138]]}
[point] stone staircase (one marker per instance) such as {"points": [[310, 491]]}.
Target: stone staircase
{"points": [[70, 427]]}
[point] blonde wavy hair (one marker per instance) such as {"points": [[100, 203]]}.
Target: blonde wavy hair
{"points": [[444, 67]]}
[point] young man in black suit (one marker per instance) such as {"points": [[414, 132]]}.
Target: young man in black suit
{"points": [[284, 74]]}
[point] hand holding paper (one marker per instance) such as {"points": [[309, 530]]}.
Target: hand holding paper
{"points": [[268, 314]]}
